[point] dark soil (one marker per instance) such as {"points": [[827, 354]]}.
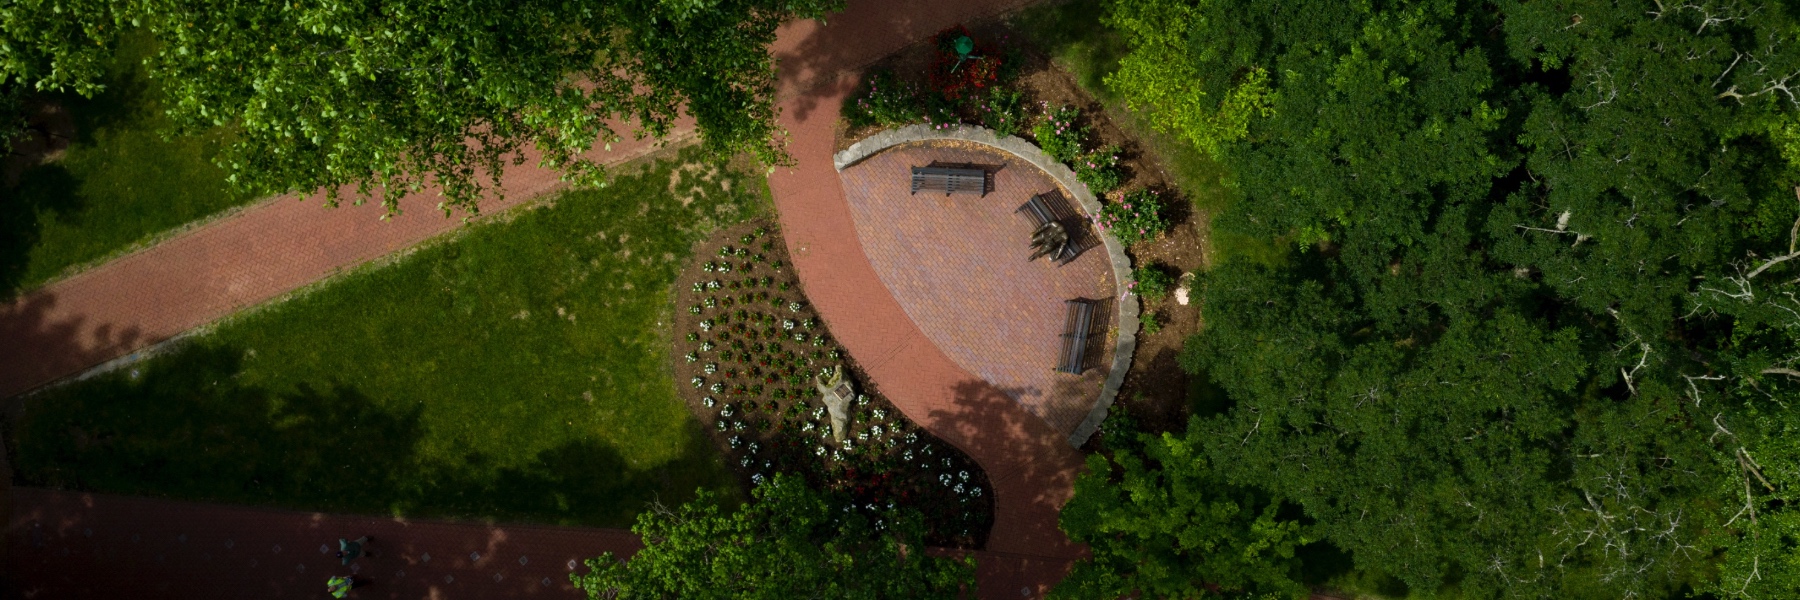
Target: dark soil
{"points": [[766, 414], [1156, 390]]}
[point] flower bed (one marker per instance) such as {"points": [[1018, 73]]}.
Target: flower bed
{"points": [[747, 348]]}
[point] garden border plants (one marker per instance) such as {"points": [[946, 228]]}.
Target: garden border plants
{"points": [[747, 346]]}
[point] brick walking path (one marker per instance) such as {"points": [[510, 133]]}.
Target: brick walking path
{"points": [[1030, 465], [278, 246]]}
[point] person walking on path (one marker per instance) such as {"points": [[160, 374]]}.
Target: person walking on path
{"points": [[339, 586], [350, 550]]}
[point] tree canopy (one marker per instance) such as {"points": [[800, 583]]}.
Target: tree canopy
{"points": [[789, 543], [1534, 335], [388, 96]]}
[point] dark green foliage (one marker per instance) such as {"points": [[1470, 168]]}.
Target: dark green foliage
{"points": [[790, 542], [383, 95], [1152, 281], [1160, 521], [1533, 335]]}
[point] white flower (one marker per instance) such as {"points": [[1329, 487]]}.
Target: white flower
{"points": [[707, 402], [975, 491], [756, 479], [754, 447], [726, 412], [745, 462], [710, 368], [808, 426], [698, 381], [707, 346], [849, 445], [819, 451], [721, 424], [794, 307], [907, 455], [958, 488], [691, 357], [944, 479], [963, 475], [787, 323], [864, 436], [706, 325], [717, 388], [880, 414], [736, 441], [877, 430], [738, 426]]}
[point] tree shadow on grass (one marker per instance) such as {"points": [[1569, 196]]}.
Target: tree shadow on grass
{"points": [[42, 190], [181, 426]]}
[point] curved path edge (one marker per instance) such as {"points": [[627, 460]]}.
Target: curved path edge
{"points": [[1126, 343]]}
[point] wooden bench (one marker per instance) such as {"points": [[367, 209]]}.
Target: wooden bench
{"points": [[1075, 335], [950, 180]]}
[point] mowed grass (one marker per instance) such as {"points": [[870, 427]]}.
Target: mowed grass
{"points": [[119, 183], [518, 372]]}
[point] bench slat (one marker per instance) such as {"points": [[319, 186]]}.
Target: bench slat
{"points": [[1075, 335]]}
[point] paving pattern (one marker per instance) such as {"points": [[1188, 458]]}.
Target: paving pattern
{"points": [[957, 266]]}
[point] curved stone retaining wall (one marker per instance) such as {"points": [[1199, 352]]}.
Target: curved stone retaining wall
{"points": [[1121, 264]]}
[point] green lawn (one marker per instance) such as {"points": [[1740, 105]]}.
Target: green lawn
{"points": [[518, 372], [118, 184]]}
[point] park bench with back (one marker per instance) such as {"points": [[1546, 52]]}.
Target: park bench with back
{"points": [[949, 180], [1075, 335]]}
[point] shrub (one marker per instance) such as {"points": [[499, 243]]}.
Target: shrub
{"points": [[1152, 281], [954, 77], [1004, 112], [1151, 325], [1058, 135], [1100, 170], [883, 100], [1134, 218]]}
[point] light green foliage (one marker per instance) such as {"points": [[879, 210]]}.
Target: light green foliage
{"points": [[1160, 521], [518, 371], [1099, 170], [1206, 105], [1537, 303], [788, 543], [369, 95]]}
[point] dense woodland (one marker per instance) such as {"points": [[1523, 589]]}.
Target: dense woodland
{"points": [[1529, 328]]}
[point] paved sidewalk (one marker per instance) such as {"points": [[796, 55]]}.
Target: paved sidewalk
{"points": [[65, 545]]}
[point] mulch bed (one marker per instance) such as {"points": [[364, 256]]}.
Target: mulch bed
{"points": [[1156, 390], [747, 348]]}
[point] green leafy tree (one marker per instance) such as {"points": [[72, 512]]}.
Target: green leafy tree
{"points": [[790, 542], [1536, 335], [392, 95], [1159, 521]]}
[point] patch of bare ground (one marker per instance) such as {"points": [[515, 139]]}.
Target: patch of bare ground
{"points": [[1155, 392]]}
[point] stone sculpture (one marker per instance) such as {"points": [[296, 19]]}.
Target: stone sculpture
{"points": [[837, 394]]}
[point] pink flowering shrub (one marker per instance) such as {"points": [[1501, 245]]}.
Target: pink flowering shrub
{"points": [[1099, 170], [1003, 111], [1133, 218], [1058, 135], [885, 101]]}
